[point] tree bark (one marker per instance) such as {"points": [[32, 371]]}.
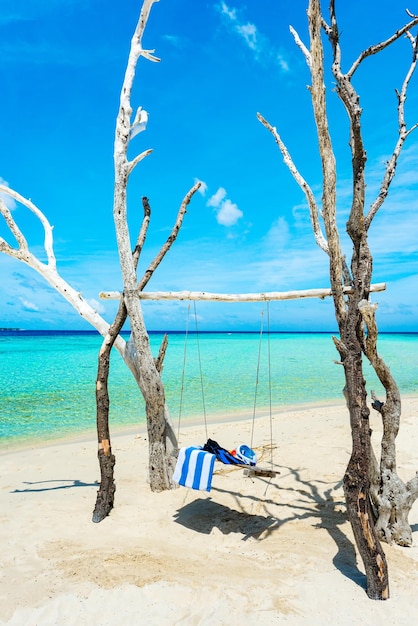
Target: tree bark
{"points": [[357, 476], [106, 493], [391, 497], [356, 480]]}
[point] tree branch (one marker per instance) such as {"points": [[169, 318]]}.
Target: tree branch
{"points": [[301, 46], [403, 134], [15, 230], [161, 354], [132, 164], [49, 271], [170, 239], [266, 296], [143, 231], [313, 207], [381, 46], [327, 158], [391, 409], [48, 239]]}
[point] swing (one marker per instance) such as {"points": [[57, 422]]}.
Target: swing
{"points": [[195, 465]]}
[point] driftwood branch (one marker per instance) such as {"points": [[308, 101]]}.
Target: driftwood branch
{"points": [[329, 171], [306, 53], [159, 361], [382, 45], [49, 270], [170, 239], [143, 232], [132, 164], [236, 297], [14, 229], [403, 133], [23, 245], [313, 207]]}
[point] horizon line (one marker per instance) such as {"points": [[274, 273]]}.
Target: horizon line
{"points": [[193, 332]]}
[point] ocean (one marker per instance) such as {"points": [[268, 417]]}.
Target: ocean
{"points": [[47, 378]]}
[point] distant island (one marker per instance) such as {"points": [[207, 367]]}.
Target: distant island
{"points": [[14, 329]]}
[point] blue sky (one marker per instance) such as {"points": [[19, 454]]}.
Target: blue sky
{"points": [[61, 67]]}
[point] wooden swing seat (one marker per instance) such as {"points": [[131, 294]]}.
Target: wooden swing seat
{"points": [[255, 470]]}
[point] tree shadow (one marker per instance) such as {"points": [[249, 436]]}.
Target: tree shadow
{"points": [[308, 503], [205, 515], [71, 485]]}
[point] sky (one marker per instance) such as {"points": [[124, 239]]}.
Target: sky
{"points": [[247, 230]]}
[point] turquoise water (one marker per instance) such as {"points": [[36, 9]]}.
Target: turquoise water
{"points": [[47, 380]]}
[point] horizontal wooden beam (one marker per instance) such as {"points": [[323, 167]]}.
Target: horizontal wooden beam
{"points": [[235, 297]]}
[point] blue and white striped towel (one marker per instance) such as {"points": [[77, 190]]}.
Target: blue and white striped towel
{"points": [[194, 468]]}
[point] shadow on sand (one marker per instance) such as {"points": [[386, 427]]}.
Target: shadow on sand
{"points": [[70, 484], [308, 503]]}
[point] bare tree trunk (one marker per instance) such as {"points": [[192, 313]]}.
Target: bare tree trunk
{"points": [[357, 476], [391, 497], [161, 438], [162, 441], [373, 493], [105, 495], [106, 492]]}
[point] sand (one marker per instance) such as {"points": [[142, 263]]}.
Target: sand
{"points": [[252, 551]]}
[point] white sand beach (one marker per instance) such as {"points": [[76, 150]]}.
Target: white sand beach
{"points": [[252, 551]]}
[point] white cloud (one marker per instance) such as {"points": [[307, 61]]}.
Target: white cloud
{"points": [[283, 64], [257, 42], [28, 306], [9, 202], [249, 32], [225, 10], [227, 212], [277, 236], [217, 198], [174, 40], [203, 186]]}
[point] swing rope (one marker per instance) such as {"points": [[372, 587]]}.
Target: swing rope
{"points": [[257, 377], [256, 382], [183, 372], [269, 380], [270, 384], [200, 371]]}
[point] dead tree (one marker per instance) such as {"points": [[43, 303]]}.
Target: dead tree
{"points": [[378, 502], [162, 441], [105, 495], [107, 460]]}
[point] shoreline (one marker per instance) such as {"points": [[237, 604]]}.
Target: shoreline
{"points": [[279, 548], [187, 421], [194, 421]]}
